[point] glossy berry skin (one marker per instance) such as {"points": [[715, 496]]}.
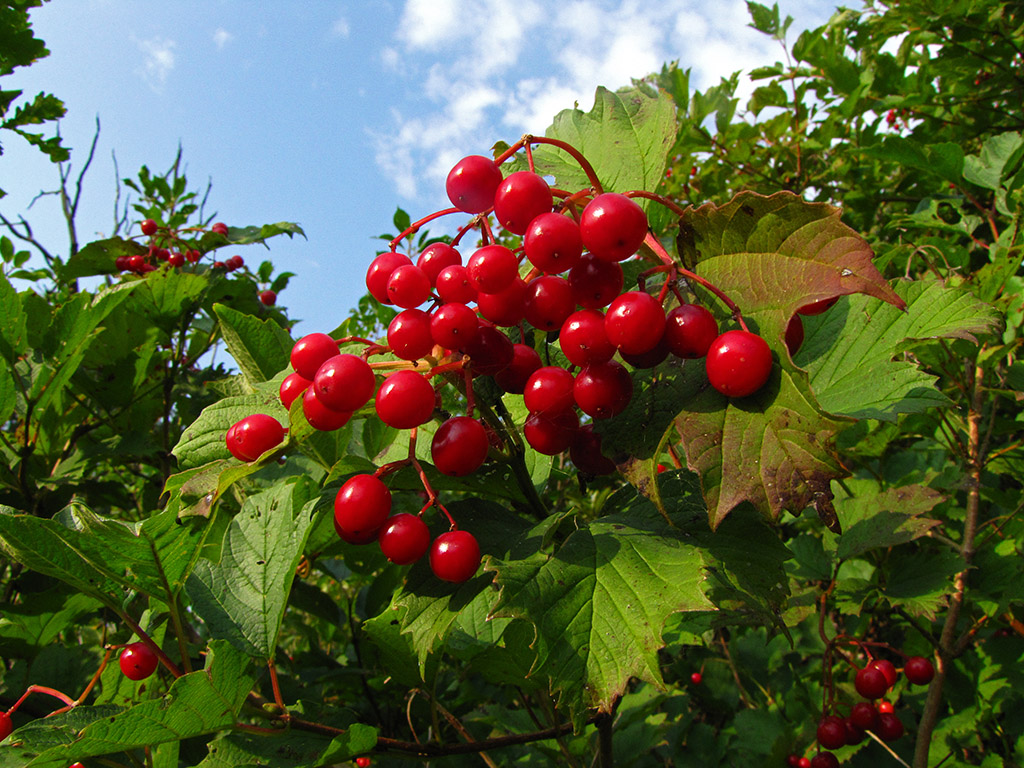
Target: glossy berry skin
{"points": [[177, 259], [453, 325], [455, 556], [312, 351], [595, 283], [634, 322], [408, 286], [553, 433], [525, 361], [362, 505], [831, 732], [436, 257], [234, 262], [696, 678], [603, 390], [138, 661], [884, 707], [379, 273], [251, 437], [613, 226], [889, 727], [549, 390], [804, 762], [6, 726], [854, 733], [363, 762], [409, 334], [520, 198], [548, 302], [453, 285], [319, 416], [220, 228], [292, 386], [149, 227], [870, 682], [490, 351], [459, 446], [583, 338], [472, 182], [492, 268], [505, 307], [886, 668], [919, 670], [738, 363], [689, 331], [344, 383], [405, 400], [552, 243], [864, 715], [404, 538], [824, 760]]}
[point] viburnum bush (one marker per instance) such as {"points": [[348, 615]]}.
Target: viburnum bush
{"points": [[697, 443]]}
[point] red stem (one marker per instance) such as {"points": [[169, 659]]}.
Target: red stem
{"points": [[415, 226], [567, 148], [672, 206]]}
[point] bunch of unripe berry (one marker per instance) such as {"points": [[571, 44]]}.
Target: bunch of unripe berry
{"points": [[872, 681], [558, 270]]}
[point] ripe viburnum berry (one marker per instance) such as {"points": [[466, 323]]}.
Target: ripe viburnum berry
{"points": [[471, 184], [138, 661], [455, 556], [362, 505], [919, 670], [251, 437], [6, 726], [149, 227], [738, 363], [459, 446], [404, 538]]}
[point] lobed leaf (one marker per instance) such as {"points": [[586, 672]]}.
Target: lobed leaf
{"points": [[260, 347]]}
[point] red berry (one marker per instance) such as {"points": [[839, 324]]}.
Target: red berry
{"points": [[870, 682], [453, 285], [919, 670], [551, 433], [613, 226], [520, 198], [595, 283], [234, 262], [525, 361], [583, 338], [192, 256], [404, 538], [453, 325], [552, 243], [854, 733], [548, 302], [459, 446], [363, 762], [319, 416], [603, 390], [492, 268], [824, 760], [738, 363], [884, 707], [689, 331], [379, 273], [292, 386], [138, 661], [149, 227], [405, 400], [864, 715], [634, 322], [455, 556], [251, 437], [220, 228], [472, 183], [268, 297], [832, 732], [793, 761], [696, 678], [6, 726], [136, 263], [436, 257], [805, 762], [408, 286], [312, 351], [549, 390], [585, 453], [355, 537], [362, 505], [121, 263], [886, 668], [344, 383], [490, 351], [409, 334], [177, 259], [649, 359], [505, 307], [889, 727]]}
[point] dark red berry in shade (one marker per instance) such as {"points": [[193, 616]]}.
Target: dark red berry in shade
{"points": [[649, 359], [490, 352], [552, 243], [613, 226], [149, 227], [362, 505], [583, 338], [506, 307], [884, 707], [6, 726], [634, 322], [459, 446], [595, 283], [344, 383], [453, 285], [355, 537], [696, 678], [793, 761], [738, 363], [603, 390], [549, 390], [292, 386], [251, 437], [794, 334], [455, 556], [471, 184], [889, 727], [864, 715], [825, 760], [817, 307], [453, 325], [162, 254], [436, 257], [870, 683], [548, 302], [689, 331], [192, 256], [405, 400], [408, 286], [121, 263], [235, 262], [319, 416], [220, 228], [513, 378], [886, 668], [138, 661], [919, 670], [854, 733], [492, 268], [219, 265], [409, 334], [520, 198], [832, 732], [585, 453], [404, 538], [551, 433], [177, 259], [380, 271], [312, 351]]}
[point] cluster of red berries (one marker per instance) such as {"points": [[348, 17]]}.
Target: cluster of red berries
{"points": [[561, 275], [873, 681]]}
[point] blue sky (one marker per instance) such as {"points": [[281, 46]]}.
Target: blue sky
{"points": [[331, 114]]}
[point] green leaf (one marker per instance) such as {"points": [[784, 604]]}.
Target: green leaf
{"points": [[626, 137], [198, 703], [921, 581], [874, 518], [599, 602], [204, 441], [852, 352], [243, 597], [359, 739], [97, 258], [260, 347], [250, 234], [945, 160], [13, 323]]}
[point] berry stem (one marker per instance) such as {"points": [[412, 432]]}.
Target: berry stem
{"points": [[413, 228], [675, 208], [164, 658], [567, 148], [40, 689]]}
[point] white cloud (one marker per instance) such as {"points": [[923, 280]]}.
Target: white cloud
{"points": [[340, 27], [222, 37], [158, 61], [491, 70]]}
